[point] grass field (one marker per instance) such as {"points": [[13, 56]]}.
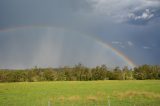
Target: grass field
{"points": [[81, 93]]}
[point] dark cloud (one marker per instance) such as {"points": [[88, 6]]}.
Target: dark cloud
{"points": [[39, 12], [135, 22]]}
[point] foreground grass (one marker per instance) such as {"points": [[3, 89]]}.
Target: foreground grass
{"points": [[81, 93]]}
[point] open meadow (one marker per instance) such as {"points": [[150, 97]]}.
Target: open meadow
{"points": [[81, 93]]}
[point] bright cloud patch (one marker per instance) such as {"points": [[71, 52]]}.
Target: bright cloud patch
{"points": [[145, 15], [116, 42], [130, 43], [126, 10], [146, 47]]}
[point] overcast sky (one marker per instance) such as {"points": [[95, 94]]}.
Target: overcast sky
{"points": [[52, 33]]}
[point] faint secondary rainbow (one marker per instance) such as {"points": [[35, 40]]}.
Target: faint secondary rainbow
{"points": [[118, 53]]}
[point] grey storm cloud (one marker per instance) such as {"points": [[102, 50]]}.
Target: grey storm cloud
{"points": [[127, 25], [74, 14]]}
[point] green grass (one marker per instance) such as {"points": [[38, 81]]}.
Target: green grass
{"points": [[81, 93]]}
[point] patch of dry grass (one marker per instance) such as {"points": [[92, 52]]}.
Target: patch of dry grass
{"points": [[101, 94], [92, 98], [74, 98], [61, 98], [132, 94]]}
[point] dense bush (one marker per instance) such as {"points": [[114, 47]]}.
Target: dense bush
{"points": [[80, 73]]}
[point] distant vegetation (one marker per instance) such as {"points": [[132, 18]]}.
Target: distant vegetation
{"points": [[80, 73]]}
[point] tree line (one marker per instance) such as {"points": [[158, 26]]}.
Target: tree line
{"points": [[80, 73]]}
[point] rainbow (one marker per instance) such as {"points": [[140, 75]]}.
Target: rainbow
{"points": [[118, 53]]}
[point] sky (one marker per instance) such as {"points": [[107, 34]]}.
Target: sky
{"points": [[54, 33]]}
